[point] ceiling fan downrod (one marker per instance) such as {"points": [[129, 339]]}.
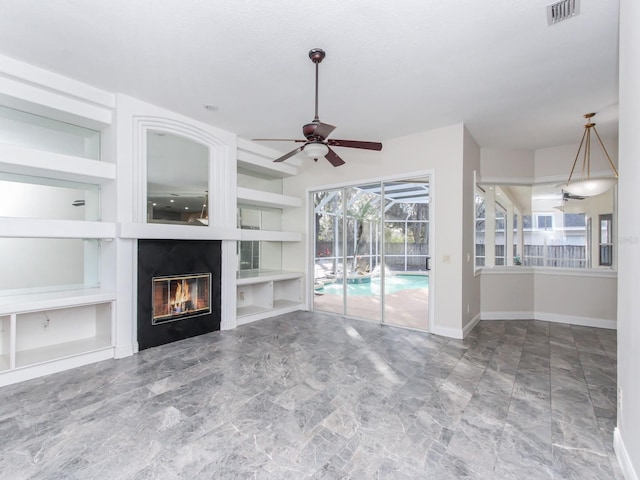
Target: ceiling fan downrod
{"points": [[317, 55]]}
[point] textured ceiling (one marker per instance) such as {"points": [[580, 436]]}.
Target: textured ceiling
{"points": [[392, 68]]}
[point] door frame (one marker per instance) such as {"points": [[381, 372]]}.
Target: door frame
{"points": [[310, 244]]}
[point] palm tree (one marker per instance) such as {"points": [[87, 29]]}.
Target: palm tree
{"points": [[362, 211]]}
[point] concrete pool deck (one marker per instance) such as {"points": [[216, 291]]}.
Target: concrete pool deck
{"points": [[406, 308]]}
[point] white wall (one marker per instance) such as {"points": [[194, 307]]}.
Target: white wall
{"points": [[470, 281], [506, 166], [439, 150], [507, 293], [557, 161], [580, 298], [628, 431], [575, 298]]}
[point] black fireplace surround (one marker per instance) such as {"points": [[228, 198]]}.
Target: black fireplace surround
{"points": [[158, 258]]}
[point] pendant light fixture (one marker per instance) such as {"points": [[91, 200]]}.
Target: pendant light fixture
{"points": [[587, 186]]}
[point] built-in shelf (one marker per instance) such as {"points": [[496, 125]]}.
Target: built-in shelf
{"points": [[54, 136], [61, 350], [248, 277], [269, 236], [259, 160], [38, 163], [177, 232], [53, 300], [15, 227], [258, 198], [264, 293], [46, 332]]}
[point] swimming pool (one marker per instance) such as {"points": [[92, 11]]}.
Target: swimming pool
{"points": [[392, 284]]}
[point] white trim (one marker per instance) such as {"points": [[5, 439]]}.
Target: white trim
{"points": [[574, 320], [34, 99], [388, 178], [228, 297], [562, 179], [407, 176], [524, 181], [623, 457], [471, 325], [551, 317], [53, 81], [456, 333], [524, 315], [567, 272], [137, 230]]}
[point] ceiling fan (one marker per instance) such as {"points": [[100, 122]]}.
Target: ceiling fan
{"points": [[317, 144]]}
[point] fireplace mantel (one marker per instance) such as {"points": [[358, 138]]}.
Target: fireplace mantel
{"points": [[177, 232]]}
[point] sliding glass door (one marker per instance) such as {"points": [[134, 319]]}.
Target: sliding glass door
{"points": [[406, 254], [372, 252]]}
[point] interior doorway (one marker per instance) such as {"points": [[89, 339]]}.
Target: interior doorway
{"points": [[371, 251]]}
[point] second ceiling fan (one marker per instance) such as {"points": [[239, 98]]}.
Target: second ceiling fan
{"points": [[317, 144]]}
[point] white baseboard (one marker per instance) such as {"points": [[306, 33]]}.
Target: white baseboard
{"points": [[623, 457], [507, 315], [456, 333], [574, 320], [469, 326], [551, 317], [122, 351]]}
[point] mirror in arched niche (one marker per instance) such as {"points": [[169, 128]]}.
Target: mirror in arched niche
{"points": [[543, 225], [177, 179]]}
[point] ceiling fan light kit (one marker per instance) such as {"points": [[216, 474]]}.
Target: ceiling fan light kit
{"points": [[316, 150], [587, 186], [317, 144]]}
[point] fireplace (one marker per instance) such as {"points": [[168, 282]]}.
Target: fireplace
{"points": [[180, 297], [178, 290]]}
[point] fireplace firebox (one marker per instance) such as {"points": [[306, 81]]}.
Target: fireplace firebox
{"points": [[178, 290], [180, 297]]}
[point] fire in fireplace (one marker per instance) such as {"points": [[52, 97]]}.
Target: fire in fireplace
{"points": [[180, 296]]}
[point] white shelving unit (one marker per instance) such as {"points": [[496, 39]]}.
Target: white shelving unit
{"points": [[47, 332], [266, 291], [52, 138], [263, 294]]}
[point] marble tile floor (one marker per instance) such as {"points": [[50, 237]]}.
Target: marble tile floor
{"points": [[311, 396]]}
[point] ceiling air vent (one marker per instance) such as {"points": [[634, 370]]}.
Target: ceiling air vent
{"points": [[563, 10]]}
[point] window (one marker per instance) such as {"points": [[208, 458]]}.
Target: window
{"points": [[549, 228], [605, 240], [544, 222], [500, 236], [480, 228]]}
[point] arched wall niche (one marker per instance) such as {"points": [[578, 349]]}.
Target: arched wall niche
{"points": [[179, 161]]}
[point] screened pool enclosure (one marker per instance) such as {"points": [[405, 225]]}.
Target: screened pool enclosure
{"points": [[368, 233]]}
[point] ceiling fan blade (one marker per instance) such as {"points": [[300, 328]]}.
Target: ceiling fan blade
{"points": [[276, 140], [289, 155], [323, 130], [355, 144], [334, 158]]}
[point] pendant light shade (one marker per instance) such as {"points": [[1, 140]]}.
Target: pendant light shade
{"points": [[590, 187], [587, 186]]}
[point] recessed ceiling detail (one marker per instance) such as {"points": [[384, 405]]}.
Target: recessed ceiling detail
{"points": [[562, 10]]}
